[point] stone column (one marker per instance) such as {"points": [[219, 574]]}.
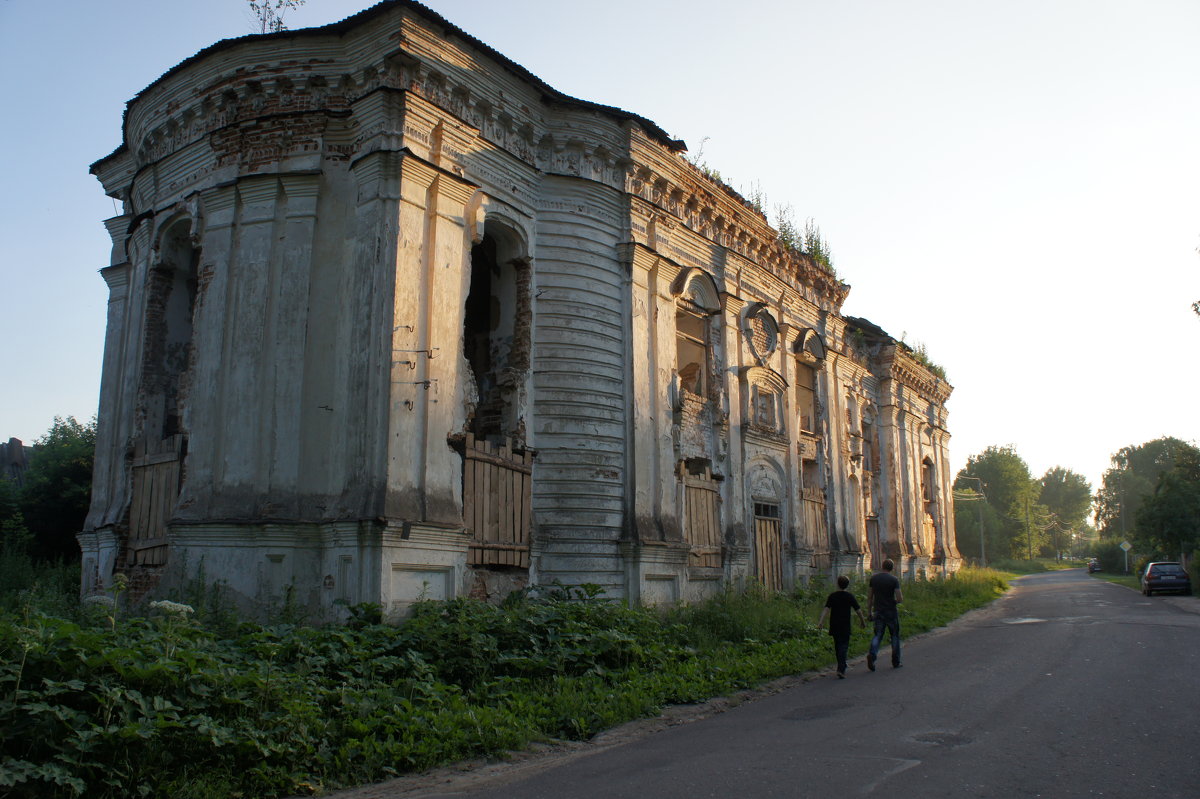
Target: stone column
{"points": [[108, 477], [203, 419], [735, 511], [247, 420], [290, 275], [364, 337], [446, 284], [412, 384], [652, 472]]}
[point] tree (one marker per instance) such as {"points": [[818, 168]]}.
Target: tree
{"points": [[1011, 492], [1132, 477], [58, 487], [268, 14], [1068, 495], [1169, 519], [971, 511]]}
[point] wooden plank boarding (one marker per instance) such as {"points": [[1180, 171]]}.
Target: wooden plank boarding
{"points": [[496, 498], [702, 518], [155, 475]]}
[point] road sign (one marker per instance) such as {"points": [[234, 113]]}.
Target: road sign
{"points": [[1125, 545]]}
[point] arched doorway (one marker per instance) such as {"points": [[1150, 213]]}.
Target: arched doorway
{"points": [[497, 466], [157, 464]]}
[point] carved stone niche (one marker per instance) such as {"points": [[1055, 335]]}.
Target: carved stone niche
{"points": [[763, 405]]}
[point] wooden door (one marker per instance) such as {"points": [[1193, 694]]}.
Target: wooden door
{"points": [[497, 499], [768, 546], [157, 472], [702, 518]]}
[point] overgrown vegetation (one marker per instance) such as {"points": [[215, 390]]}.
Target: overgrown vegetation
{"points": [[95, 702], [269, 14], [920, 354], [807, 240]]}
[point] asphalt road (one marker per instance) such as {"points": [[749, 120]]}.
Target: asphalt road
{"points": [[1067, 686]]}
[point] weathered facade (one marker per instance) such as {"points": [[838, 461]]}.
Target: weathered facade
{"points": [[390, 318]]}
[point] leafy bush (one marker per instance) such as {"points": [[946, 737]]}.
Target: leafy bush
{"points": [[1111, 556]]}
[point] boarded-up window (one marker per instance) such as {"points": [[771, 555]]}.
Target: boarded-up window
{"points": [[812, 491], [702, 516]]}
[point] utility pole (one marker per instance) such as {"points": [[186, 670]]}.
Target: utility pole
{"points": [[979, 508], [1028, 529]]}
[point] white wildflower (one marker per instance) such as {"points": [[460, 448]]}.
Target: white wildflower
{"points": [[100, 599], [172, 607]]}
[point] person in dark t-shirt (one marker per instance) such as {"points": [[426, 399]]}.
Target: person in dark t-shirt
{"points": [[838, 606], [883, 595]]}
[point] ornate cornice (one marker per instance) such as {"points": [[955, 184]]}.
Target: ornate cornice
{"points": [[292, 101], [905, 369]]}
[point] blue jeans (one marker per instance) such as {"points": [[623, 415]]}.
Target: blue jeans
{"points": [[891, 623]]}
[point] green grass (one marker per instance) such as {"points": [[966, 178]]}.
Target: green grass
{"points": [[1035, 566], [99, 703], [1127, 580]]}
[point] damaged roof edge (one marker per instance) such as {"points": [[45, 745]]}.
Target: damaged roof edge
{"points": [[870, 328], [351, 22]]}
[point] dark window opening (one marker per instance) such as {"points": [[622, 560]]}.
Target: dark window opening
{"points": [[173, 285], [692, 352], [765, 510], [496, 336]]}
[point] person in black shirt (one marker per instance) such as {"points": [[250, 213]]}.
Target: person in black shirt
{"points": [[838, 607], [883, 595]]}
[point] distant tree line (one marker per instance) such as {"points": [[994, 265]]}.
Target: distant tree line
{"points": [[1002, 511], [1150, 496]]}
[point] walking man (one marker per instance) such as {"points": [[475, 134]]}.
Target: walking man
{"points": [[838, 606], [883, 595]]}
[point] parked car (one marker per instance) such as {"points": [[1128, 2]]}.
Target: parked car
{"points": [[1164, 576], [1093, 565]]}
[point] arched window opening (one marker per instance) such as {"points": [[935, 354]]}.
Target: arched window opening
{"points": [[806, 397], [171, 306], [697, 301], [156, 469], [928, 481], [496, 332], [870, 448], [693, 355], [497, 328]]}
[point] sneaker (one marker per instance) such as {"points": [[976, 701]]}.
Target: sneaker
{"points": [[841, 675], [897, 665], [871, 662]]}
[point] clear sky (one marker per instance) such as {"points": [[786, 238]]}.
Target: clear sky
{"points": [[1013, 183]]}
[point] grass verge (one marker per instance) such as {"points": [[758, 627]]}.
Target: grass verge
{"points": [[1127, 580]]}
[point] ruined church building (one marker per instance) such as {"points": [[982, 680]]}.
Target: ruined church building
{"points": [[390, 318]]}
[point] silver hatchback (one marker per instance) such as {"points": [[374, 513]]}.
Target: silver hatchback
{"points": [[1164, 576]]}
